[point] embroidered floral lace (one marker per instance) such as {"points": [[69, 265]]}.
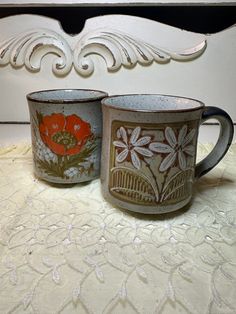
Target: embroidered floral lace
{"points": [[65, 250]]}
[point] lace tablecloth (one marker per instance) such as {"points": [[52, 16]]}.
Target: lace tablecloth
{"points": [[65, 250]]}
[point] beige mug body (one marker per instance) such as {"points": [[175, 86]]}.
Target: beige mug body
{"points": [[149, 148]]}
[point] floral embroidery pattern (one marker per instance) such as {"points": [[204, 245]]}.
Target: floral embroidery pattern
{"points": [[141, 181], [64, 145], [133, 146], [69, 245], [175, 147]]}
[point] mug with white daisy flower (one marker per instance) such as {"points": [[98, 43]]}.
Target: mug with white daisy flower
{"points": [[149, 148]]}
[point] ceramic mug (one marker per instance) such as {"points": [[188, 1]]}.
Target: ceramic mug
{"points": [[66, 127], [149, 151]]}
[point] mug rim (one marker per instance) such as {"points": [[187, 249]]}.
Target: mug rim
{"points": [[30, 96], [201, 104]]}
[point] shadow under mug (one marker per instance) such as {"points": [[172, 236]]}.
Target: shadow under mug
{"points": [[148, 162], [66, 130]]}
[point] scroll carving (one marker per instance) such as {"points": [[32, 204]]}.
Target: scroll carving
{"points": [[116, 48]]}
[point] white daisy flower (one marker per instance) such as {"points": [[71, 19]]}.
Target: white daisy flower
{"points": [[132, 145], [71, 172], [40, 147], [39, 144], [40, 155], [44, 153], [176, 148], [49, 155]]}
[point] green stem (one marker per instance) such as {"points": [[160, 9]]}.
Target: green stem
{"points": [[164, 183], [154, 178], [60, 166]]}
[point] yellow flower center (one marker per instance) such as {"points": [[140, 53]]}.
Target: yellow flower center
{"points": [[65, 138]]}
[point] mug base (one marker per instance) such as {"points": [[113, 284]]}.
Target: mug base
{"points": [[142, 209], [63, 181]]}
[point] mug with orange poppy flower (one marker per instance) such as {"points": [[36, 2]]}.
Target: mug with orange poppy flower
{"points": [[66, 129], [149, 152]]}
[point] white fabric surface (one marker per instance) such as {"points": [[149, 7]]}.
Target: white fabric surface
{"points": [[65, 250]]}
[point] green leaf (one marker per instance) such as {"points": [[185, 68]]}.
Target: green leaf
{"points": [[35, 121], [51, 168], [178, 185], [76, 160], [57, 169], [39, 117]]}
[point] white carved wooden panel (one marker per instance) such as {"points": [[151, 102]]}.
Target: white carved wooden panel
{"points": [[115, 53]]}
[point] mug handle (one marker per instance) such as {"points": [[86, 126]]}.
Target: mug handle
{"points": [[223, 143]]}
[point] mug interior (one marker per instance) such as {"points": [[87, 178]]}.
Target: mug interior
{"points": [[66, 95], [152, 102]]}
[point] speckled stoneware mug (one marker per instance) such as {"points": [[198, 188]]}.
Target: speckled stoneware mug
{"points": [[66, 127], [149, 150]]}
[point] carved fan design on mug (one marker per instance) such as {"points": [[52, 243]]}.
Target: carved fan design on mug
{"points": [[65, 145], [138, 150]]}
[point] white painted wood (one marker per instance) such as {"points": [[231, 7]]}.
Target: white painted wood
{"points": [[112, 2], [102, 36], [117, 54]]}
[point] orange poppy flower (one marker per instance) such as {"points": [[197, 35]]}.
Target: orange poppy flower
{"points": [[64, 135]]}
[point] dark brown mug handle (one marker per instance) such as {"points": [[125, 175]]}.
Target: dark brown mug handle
{"points": [[223, 143]]}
